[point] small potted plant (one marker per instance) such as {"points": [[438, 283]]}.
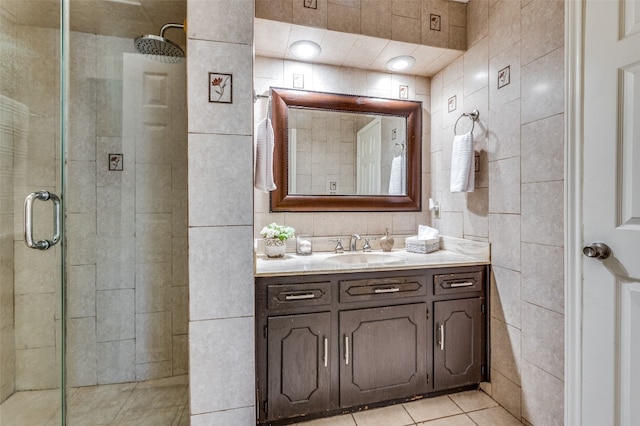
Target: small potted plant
{"points": [[275, 237]]}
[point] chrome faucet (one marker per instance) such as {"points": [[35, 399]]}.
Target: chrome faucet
{"points": [[353, 242]]}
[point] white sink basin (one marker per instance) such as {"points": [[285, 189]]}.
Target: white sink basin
{"points": [[364, 258]]}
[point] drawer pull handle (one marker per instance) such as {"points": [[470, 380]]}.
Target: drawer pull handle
{"points": [[346, 350], [465, 284], [303, 296], [386, 290], [326, 352], [442, 337]]}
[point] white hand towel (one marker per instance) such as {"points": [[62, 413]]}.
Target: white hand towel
{"points": [[462, 164], [263, 178], [396, 178]]}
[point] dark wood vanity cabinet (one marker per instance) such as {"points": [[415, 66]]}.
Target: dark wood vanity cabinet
{"points": [[298, 364], [333, 343], [383, 353]]}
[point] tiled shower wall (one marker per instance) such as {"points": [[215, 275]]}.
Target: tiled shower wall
{"points": [[438, 23], [270, 72], [126, 230], [518, 201]]}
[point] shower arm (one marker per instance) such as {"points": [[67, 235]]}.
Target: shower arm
{"points": [[167, 26]]}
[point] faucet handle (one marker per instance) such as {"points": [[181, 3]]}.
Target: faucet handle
{"points": [[366, 246], [338, 248]]}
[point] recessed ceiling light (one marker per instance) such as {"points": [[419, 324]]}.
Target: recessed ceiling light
{"points": [[400, 63], [305, 49]]}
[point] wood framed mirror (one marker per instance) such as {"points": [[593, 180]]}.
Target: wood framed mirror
{"points": [[319, 166]]}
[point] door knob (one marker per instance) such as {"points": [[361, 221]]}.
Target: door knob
{"points": [[597, 250]]}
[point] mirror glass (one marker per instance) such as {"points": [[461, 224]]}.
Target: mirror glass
{"points": [[346, 153], [335, 152]]}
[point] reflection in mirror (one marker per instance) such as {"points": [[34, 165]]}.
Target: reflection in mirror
{"points": [[345, 152]]}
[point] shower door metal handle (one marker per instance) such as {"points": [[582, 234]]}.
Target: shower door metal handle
{"points": [[28, 220]]}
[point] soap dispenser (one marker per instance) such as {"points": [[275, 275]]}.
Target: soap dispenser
{"points": [[386, 242]]}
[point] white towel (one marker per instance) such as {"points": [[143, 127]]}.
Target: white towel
{"points": [[263, 178], [396, 178], [462, 164]]}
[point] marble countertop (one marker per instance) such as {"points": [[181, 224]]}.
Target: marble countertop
{"points": [[454, 252]]}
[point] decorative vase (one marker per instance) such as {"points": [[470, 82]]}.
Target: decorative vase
{"points": [[274, 247], [386, 242]]}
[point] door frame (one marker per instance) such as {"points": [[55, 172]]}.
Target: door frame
{"points": [[573, 236]]}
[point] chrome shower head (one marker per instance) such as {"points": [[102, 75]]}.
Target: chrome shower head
{"points": [[162, 49]]}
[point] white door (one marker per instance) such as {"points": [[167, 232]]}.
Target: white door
{"points": [[369, 141], [611, 213]]}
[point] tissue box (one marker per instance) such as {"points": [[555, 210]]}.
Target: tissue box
{"points": [[414, 245]]}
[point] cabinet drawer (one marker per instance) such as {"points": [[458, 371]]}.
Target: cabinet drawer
{"points": [[460, 282], [382, 288], [295, 295]]}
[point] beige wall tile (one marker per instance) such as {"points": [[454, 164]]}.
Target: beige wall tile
{"points": [[81, 352], [151, 243], [458, 14], [504, 26], [542, 396], [226, 58], [115, 311], [216, 163], [81, 291], [433, 37], [230, 26], [476, 216], [115, 263], [153, 338], [542, 338], [180, 310], [457, 37], [181, 354], [542, 213], [37, 368], [542, 28], [153, 370], [543, 150], [506, 294], [310, 17], [543, 272], [504, 234], [510, 57], [116, 361], [230, 361], [543, 87], [477, 21], [476, 67], [507, 394], [506, 350], [224, 289], [153, 285], [504, 133], [375, 18], [34, 320], [343, 18], [406, 29], [407, 8], [504, 186], [277, 10], [238, 416]]}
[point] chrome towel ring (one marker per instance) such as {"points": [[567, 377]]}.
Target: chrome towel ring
{"points": [[473, 115]]}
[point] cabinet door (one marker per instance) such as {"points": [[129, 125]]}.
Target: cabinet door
{"points": [[298, 364], [383, 353], [458, 343]]}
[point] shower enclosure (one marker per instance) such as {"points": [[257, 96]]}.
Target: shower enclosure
{"points": [[93, 328]]}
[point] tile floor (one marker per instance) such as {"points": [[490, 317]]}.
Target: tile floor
{"points": [[164, 402], [471, 408], [154, 403]]}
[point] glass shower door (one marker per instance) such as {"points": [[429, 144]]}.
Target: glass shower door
{"points": [[30, 186]]}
